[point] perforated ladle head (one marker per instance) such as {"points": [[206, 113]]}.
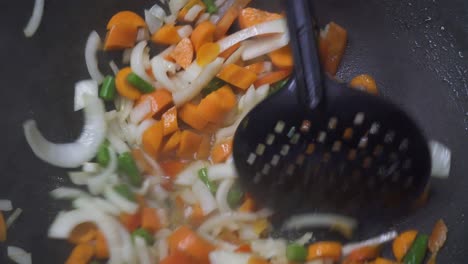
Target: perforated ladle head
{"points": [[320, 145]]}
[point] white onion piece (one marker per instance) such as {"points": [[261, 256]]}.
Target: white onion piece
{"points": [[247, 233], [114, 67], [205, 197], [90, 167], [203, 17], [171, 19], [142, 250], [125, 107], [67, 193], [159, 193], [13, 217], [71, 155], [92, 46], [270, 248], [192, 72], [214, 19], [111, 115], [185, 31], [142, 34], [235, 57], [188, 93], [269, 27], [96, 204], [226, 257], [35, 20], [154, 23], [154, 165], [126, 55], [304, 239], [321, 261], [222, 194], [224, 219], [79, 177], [161, 243], [83, 88], [193, 13], [117, 238], [219, 3], [140, 111], [161, 68], [97, 183], [176, 5], [341, 223], [188, 196], [6, 205], [119, 201], [19, 255], [441, 159], [259, 47], [188, 176], [224, 7], [222, 171], [117, 143], [387, 237], [148, 183], [157, 11], [139, 60]]}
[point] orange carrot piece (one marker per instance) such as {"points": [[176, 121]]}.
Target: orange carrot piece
{"points": [[364, 82], [248, 206], [81, 254], [244, 248], [403, 243], [120, 37], [190, 115], [83, 233], [152, 138], [177, 258], [150, 219], [203, 33], [3, 228], [169, 119], [160, 100], [363, 254], [189, 144], [383, 261], [221, 151], [249, 17], [257, 67], [124, 88], [183, 12], [229, 17], [216, 105], [229, 51], [272, 77], [438, 236], [237, 76], [183, 53], [190, 243], [204, 149], [102, 250], [282, 58], [173, 167], [126, 18], [197, 217], [255, 260], [325, 249], [172, 143], [207, 53], [166, 35], [130, 221], [332, 45]]}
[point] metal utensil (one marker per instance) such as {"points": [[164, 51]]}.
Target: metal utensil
{"points": [[320, 145]]}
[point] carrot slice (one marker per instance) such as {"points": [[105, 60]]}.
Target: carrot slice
{"points": [[166, 35], [228, 52], [383, 261], [152, 138], [363, 254], [207, 53], [364, 82], [102, 250], [169, 119], [190, 115], [160, 100], [189, 144], [130, 221], [203, 151], [249, 17], [190, 243], [255, 260], [121, 37], [183, 53], [3, 228], [217, 104], [282, 58], [272, 77], [237, 76], [183, 12], [83, 233], [177, 258], [244, 248], [248, 206], [257, 67], [203, 33], [229, 17], [126, 18], [221, 151], [197, 217], [324, 249], [172, 143], [332, 45], [403, 243], [124, 88], [173, 167], [150, 219], [81, 254]]}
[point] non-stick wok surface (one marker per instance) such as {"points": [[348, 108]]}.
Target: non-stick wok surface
{"points": [[416, 50]]}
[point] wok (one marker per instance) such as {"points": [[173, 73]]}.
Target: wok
{"points": [[415, 49]]}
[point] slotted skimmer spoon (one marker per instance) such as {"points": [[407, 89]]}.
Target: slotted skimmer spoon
{"points": [[321, 146]]}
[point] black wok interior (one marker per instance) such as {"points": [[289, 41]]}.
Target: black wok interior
{"points": [[416, 50]]}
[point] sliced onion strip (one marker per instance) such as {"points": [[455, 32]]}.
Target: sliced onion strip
{"points": [[92, 46], [35, 20]]}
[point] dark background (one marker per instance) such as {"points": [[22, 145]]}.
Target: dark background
{"points": [[416, 50]]}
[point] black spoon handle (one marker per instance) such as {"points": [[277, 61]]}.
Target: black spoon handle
{"points": [[304, 45]]}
